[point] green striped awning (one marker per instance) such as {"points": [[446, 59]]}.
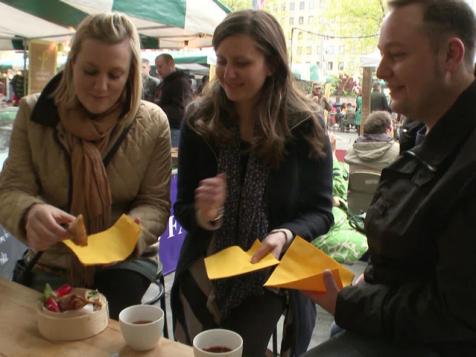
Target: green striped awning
{"points": [[161, 23]]}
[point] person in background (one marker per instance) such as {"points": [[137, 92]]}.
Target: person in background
{"points": [[203, 85], [173, 94], [88, 145], [149, 83], [18, 86], [349, 117], [418, 293], [378, 100], [342, 242], [318, 97], [250, 135], [2, 90], [376, 148], [358, 110]]}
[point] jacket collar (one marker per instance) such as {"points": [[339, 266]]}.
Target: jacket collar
{"points": [[450, 131], [45, 111]]}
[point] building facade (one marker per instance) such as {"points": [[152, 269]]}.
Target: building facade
{"points": [[314, 55]]}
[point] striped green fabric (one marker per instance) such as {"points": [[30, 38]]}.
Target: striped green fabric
{"points": [[167, 12], [54, 11]]}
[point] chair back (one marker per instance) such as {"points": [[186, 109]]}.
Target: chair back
{"points": [[362, 186]]}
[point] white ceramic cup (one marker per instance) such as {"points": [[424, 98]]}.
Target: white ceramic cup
{"points": [[142, 326], [217, 338]]}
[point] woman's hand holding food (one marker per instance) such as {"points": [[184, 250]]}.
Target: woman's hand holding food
{"points": [[44, 226], [210, 197]]}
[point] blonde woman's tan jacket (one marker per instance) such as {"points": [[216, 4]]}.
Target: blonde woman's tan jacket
{"points": [[38, 170]]}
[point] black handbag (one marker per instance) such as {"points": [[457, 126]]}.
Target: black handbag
{"points": [[22, 272]]}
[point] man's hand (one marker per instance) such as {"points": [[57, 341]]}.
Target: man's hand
{"points": [[43, 226], [360, 279], [274, 242], [328, 299], [210, 196]]}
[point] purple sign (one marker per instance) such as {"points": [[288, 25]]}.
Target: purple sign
{"points": [[172, 238]]}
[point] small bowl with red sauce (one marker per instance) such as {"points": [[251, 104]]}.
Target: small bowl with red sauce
{"points": [[217, 343], [142, 326]]}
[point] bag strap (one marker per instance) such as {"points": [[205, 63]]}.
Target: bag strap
{"points": [[116, 145], [23, 277]]}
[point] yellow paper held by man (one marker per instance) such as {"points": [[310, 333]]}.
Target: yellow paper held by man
{"points": [[302, 268]]}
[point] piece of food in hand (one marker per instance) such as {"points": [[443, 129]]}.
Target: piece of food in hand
{"points": [[77, 230]]}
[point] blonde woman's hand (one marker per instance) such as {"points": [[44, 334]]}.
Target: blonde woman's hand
{"points": [[210, 197], [44, 226]]}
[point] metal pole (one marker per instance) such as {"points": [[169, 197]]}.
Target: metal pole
{"points": [[26, 74]]}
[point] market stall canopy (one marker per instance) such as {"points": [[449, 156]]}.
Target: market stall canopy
{"points": [[370, 60], [162, 24]]}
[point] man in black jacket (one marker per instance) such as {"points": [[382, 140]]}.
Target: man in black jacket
{"points": [[418, 293], [174, 93]]}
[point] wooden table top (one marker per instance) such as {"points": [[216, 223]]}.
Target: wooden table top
{"points": [[19, 334]]}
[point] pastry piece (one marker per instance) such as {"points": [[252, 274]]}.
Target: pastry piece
{"points": [[77, 230]]}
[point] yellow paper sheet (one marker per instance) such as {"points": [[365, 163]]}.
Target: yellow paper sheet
{"points": [[302, 268], [110, 246], [234, 261]]}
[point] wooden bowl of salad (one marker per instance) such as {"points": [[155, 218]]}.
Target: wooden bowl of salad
{"points": [[68, 314]]}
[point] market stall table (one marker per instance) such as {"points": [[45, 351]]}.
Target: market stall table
{"points": [[19, 334]]}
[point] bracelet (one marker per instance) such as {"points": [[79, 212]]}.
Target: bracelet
{"points": [[287, 233], [218, 217]]}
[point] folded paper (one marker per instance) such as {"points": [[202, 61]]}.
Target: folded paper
{"points": [[234, 261], [110, 246], [302, 268]]}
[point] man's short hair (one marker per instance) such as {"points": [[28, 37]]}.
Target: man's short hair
{"points": [[376, 87], [378, 122], [145, 60], [166, 56], [446, 18]]}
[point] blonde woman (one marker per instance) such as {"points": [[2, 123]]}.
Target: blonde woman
{"points": [[88, 145]]}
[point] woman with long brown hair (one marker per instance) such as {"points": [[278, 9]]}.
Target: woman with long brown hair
{"points": [[254, 163]]}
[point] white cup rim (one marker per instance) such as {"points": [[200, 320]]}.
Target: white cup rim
{"points": [[194, 342], [153, 307]]}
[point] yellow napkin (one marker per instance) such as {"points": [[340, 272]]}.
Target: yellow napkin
{"points": [[110, 246], [302, 268], [234, 261]]}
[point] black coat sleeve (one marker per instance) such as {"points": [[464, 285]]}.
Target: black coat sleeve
{"points": [[304, 202], [196, 161], [441, 309]]}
